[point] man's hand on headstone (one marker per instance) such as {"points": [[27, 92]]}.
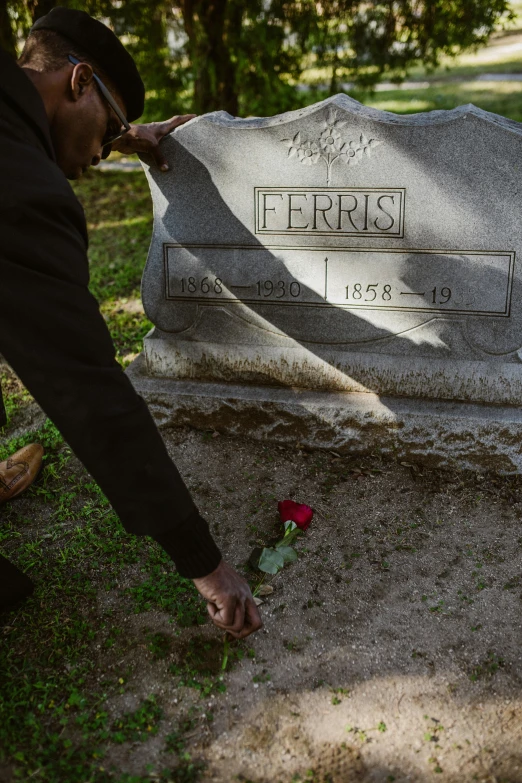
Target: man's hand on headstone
{"points": [[229, 601], [146, 138]]}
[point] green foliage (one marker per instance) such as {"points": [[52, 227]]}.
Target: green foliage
{"points": [[47, 434], [362, 42], [138, 725], [248, 57], [200, 665], [159, 645], [271, 561], [167, 590], [54, 689], [119, 216]]}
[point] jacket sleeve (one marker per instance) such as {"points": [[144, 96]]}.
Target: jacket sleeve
{"points": [[54, 337]]}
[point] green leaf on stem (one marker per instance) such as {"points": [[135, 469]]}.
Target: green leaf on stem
{"points": [[271, 561], [289, 554]]}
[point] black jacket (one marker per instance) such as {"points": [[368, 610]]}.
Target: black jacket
{"points": [[54, 337]]}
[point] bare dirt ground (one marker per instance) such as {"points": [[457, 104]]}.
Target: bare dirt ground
{"points": [[390, 650]]}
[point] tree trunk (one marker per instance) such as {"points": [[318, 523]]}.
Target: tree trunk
{"points": [[213, 28]]}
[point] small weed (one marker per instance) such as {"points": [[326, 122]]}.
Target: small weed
{"points": [[337, 692], [358, 734], [263, 677], [293, 645], [513, 583], [362, 734], [159, 645], [138, 725], [487, 668]]}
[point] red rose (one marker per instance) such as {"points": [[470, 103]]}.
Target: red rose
{"points": [[299, 513]]}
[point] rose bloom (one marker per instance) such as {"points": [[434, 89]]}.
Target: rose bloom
{"points": [[299, 513]]}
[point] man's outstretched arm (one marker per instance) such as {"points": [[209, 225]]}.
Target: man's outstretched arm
{"points": [[54, 337]]}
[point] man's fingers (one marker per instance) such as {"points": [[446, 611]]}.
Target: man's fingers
{"points": [[229, 601], [239, 618], [232, 620], [159, 158], [223, 616], [168, 125], [251, 622]]}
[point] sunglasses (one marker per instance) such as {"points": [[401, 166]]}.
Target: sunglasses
{"points": [[108, 139]]}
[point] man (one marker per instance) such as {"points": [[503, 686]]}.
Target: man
{"points": [[70, 97]]}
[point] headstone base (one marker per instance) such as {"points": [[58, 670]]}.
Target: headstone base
{"points": [[437, 433]]}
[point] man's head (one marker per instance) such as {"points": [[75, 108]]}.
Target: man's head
{"points": [[80, 115]]}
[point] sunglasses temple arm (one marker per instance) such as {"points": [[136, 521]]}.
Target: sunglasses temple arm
{"points": [[110, 100]]}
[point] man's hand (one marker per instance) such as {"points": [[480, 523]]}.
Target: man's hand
{"points": [[229, 601], [146, 138]]}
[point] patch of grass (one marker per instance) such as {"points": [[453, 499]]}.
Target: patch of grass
{"points": [[47, 435], [199, 665], [55, 691], [499, 97], [138, 725], [165, 589], [118, 208], [15, 396], [159, 645]]}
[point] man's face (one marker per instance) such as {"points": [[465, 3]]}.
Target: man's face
{"points": [[82, 122]]}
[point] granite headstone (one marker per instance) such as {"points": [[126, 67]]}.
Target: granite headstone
{"points": [[341, 276]]}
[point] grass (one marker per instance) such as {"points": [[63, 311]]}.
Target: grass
{"points": [[61, 651], [503, 98], [119, 216], [54, 720]]}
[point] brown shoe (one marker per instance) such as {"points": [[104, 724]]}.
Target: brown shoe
{"points": [[19, 471]]}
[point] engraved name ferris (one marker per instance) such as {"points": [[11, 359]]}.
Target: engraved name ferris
{"points": [[340, 211]]}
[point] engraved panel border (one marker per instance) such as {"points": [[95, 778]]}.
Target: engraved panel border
{"points": [[401, 192], [510, 257]]}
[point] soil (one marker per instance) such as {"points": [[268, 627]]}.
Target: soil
{"points": [[390, 650]]}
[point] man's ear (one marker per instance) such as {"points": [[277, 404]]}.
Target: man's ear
{"points": [[81, 79]]}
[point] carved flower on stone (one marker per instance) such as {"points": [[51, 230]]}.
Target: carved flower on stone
{"points": [[330, 139], [307, 152], [368, 144], [351, 153], [330, 146]]}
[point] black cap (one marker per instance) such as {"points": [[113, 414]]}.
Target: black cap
{"points": [[96, 39]]}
